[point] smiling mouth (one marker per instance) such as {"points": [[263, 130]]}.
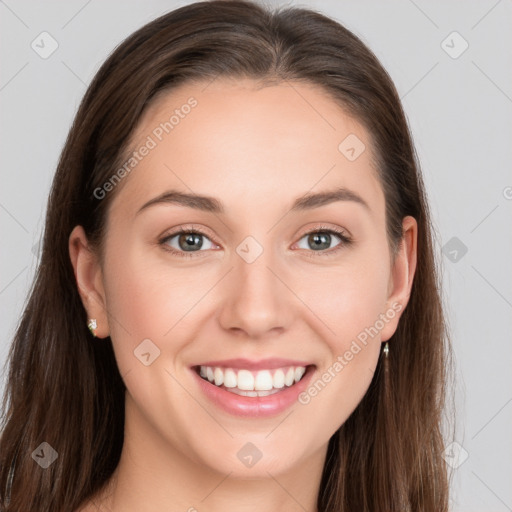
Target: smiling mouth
{"points": [[253, 383]]}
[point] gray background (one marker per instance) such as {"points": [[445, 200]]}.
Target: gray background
{"points": [[459, 108]]}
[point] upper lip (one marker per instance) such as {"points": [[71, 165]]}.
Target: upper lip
{"points": [[262, 364]]}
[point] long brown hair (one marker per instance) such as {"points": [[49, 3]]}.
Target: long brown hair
{"points": [[65, 390]]}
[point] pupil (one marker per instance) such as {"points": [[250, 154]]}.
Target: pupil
{"points": [[317, 238], [189, 239]]}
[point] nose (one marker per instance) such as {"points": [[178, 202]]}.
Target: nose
{"points": [[257, 300]]}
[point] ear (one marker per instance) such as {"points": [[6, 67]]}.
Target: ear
{"points": [[401, 277], [89, 279]]}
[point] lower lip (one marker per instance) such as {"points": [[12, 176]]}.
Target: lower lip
{"points": [[258, 406]]}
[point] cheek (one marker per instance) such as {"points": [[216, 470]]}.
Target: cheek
{"points": [[348, 314], [347, 298], [145, 301], [348, 305], [135, 299]]}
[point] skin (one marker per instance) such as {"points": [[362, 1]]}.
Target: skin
{"points": [[256, 150]]}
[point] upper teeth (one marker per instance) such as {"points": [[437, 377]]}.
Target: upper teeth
{"points": [[246, 380]]}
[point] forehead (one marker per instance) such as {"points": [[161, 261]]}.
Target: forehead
{"points": [[250, 145]]}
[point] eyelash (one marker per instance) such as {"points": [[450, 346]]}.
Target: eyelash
{"points": [[345, 241]]}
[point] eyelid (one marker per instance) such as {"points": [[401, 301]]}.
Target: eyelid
{"points": [[184, 228], [324, 227]]}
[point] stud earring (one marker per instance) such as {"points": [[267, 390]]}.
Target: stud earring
{"points": [[92, 324], [385, 350]]}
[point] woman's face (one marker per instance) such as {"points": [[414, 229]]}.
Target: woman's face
{"points": [[250, 291]]}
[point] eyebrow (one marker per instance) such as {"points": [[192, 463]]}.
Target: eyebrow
{"points": [[213, 205]]}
